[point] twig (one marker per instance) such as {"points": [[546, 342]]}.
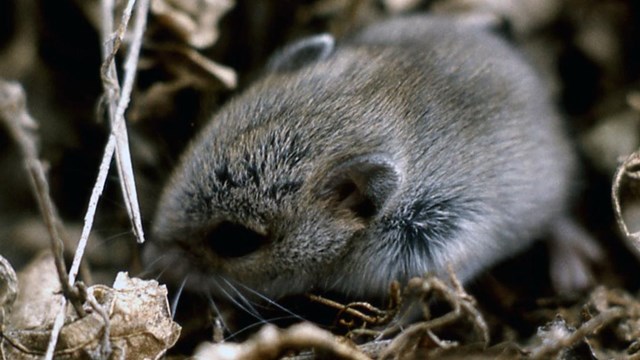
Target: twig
{"points": [[105, 349], [226, 75], [123, 155], [629, 168], [379, 317], [118, 104], [461, 303], [271, 343], [598, 321], [350, 309], [112, 142], [19, 122], [91, 209], [117, 140]]}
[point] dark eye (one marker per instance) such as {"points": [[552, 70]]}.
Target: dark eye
{"points": [[229, 240]]}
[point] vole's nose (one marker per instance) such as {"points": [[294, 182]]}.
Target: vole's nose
{"points": [[230, 240]]}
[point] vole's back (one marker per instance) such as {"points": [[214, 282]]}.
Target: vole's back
{"points": [[415, 143]]}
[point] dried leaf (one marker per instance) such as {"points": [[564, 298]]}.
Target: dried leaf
{"points": [[140, 324], [193, 21], [8, 288], [38, 298], [185, 68]]}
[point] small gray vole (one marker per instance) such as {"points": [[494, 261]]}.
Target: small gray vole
{"points": [[413, 144]]}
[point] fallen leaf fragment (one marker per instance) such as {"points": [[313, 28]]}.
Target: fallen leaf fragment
{"points": [[139, 320], [38, 297], [8, 287], [140, 316], [193, 21], [186, 68]]}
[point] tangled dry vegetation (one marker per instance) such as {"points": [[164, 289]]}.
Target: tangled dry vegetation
{"points": [[86, 81]]}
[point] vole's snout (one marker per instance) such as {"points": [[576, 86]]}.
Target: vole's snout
{"points": [[230, 240]]}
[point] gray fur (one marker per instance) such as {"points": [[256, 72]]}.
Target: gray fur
{"points": [[465, 163]]}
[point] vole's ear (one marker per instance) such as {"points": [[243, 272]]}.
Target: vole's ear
{"points": [[362, 185], [302, 52]]}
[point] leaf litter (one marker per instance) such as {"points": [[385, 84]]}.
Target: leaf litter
{"points": [[180, 41]]}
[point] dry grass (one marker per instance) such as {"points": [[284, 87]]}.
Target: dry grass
{"points": [[86, 63]]}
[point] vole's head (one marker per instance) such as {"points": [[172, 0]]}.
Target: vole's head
{"points": [[260, 211], [261, 204]]}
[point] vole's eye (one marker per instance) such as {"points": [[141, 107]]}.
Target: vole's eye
{"points": [[229, 240]]}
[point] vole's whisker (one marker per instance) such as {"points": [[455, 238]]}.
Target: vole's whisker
{"points": [[144, 273], [241, 297], [161, 272], [113, 237], [150, 268], [270, 301], [213, 305], [251, 311], [176, 298], [261, 322], [93, 245], [157, 273]]}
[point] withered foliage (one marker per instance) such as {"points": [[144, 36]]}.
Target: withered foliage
{"points": [[82, 77], [130, 320]]}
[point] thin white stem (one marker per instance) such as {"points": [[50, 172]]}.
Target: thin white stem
{"points": [[93, 205], [123, 156], [118, 141]]}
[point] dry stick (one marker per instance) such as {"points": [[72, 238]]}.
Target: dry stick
{"points": [[462, 304], [349, 309], [111, 85], [106, 345], [588, 328], [18, 121], [93, 204], [117, 105], [271, 343], [140, 23], [628, 168], [123, 156], [225, 74], [379, 317], [469, 304]]}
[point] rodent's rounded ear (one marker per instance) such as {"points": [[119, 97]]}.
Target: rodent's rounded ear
{"points": [[362, 185], [302, 52]]}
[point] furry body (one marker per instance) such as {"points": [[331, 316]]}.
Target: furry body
{"points": [[416, 143]]}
